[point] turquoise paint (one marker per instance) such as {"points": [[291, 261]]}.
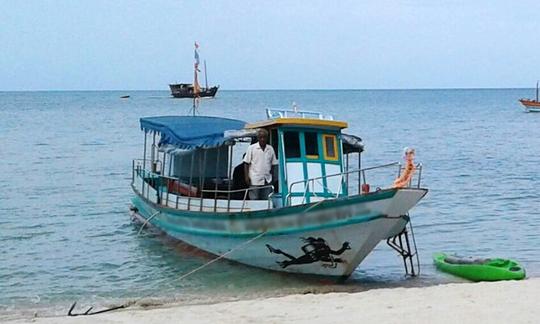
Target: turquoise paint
{"points": [[304, 160], [284, 188], [344, 188], [313, 160], [276, 212], [170, 228], [323, 162]]}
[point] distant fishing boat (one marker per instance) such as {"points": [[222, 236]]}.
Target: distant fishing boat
{"points": [[531, 105], [319, 218], [193, 90], [186, 90]]}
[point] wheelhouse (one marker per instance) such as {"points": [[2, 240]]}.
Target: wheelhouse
{"points": [[309, 148]]}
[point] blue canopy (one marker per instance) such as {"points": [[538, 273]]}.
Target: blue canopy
{"points": [[191, 132]]}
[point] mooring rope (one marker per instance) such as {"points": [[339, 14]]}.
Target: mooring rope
{"points": [[222, 255], [147, 220], [127, 304]]}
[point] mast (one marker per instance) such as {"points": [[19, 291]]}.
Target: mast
{"points": [[206, 77], [196, 88], [536, 91]]}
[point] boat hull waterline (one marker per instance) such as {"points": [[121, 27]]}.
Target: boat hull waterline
{"points": [[330, 239]]}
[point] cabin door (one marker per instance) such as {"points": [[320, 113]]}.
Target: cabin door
{"points": [[304, 156]]}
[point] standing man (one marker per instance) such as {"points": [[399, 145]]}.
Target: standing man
{"points": [[260, 161]]}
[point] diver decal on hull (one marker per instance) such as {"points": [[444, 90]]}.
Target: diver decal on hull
{"points": [[315, 250]]}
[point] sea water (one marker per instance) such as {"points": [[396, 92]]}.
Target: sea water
{"points": [[66, 233]]}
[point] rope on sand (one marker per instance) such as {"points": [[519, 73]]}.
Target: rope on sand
{"points": [[125, 305]]}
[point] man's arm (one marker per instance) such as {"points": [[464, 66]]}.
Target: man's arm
{"points": [[247, 162], [246, 173]]}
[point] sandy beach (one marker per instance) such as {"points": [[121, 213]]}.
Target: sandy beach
{"points": [[500, 302]]}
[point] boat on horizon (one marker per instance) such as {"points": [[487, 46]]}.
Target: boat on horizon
{"points": [[320, 218], [531, 105], [194, 90], [187, 90]]}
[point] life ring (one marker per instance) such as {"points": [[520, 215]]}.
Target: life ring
{"points": [[404, 179]]}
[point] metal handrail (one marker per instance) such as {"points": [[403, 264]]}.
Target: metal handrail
{"points": [[418, 167], [284, 113], [140, 163], [157, 161], [245, 190], [228, 192], [308, 183], [363, 171], [341, 174], [361, 179]]}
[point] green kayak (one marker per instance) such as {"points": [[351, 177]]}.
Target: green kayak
{"points": [[479, 269]]}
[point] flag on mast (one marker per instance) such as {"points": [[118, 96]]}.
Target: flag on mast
{"points": [[196, 87]]}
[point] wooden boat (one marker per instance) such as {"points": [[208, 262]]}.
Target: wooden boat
{"points": [[480, 269], [531, 105], [193, 90], [316, 220], [186, 90]]}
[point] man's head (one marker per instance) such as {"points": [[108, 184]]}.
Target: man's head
{"points": [[262, 136]]}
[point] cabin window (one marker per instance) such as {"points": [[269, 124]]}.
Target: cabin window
{"points": [[312, 145], [292, 144], [330, 147]]}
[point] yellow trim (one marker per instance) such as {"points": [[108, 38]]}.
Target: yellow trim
{"points": [[334, 144], [313, 157], [298, 121]]}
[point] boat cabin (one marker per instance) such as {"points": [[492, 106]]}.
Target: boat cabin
{"points": [[309, 151], [195, 162]]}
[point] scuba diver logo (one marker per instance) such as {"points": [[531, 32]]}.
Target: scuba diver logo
{"points": [[315, 250]]}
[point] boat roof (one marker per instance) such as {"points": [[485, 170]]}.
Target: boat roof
{"points": [[296, 117], [191, 132], [294, 121], [195, 132]]}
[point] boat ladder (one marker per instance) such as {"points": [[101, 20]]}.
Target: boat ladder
{"points": [[401, 243]]}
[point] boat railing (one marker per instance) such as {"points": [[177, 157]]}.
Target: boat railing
{"points": [[156, 166], [244, 196], [413, 183], [382, 182], [283, 113], [162, 185], [361, 177]]}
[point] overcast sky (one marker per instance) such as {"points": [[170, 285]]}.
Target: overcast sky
{"points": [[372, 44]]}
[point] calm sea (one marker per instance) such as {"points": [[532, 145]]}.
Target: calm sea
{"points": [[66, 234]]}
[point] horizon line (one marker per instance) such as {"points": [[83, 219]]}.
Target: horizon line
{"points": [[277, 89]]}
